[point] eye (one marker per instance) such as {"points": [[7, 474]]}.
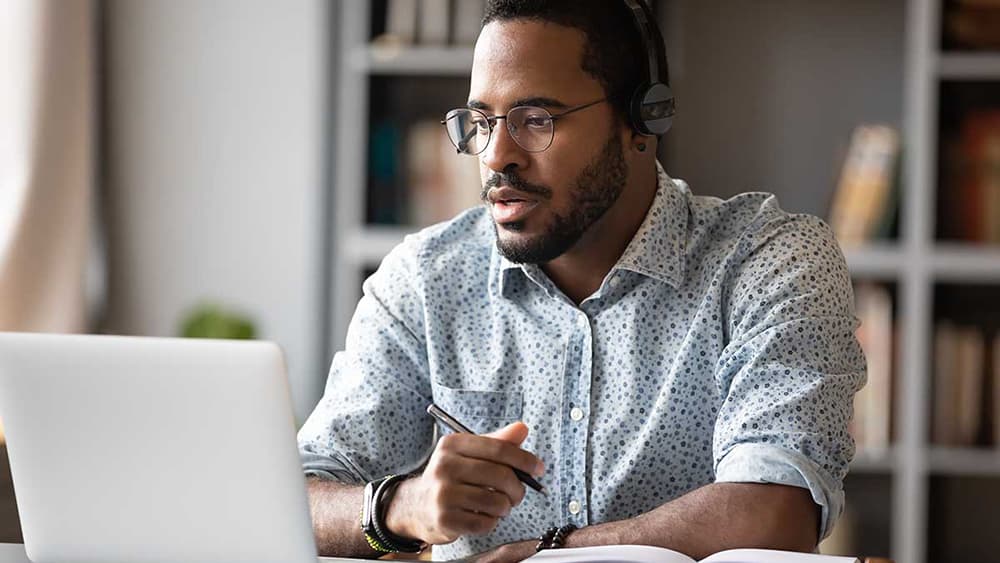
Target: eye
{"points": [[537, 121], [480, 123]]}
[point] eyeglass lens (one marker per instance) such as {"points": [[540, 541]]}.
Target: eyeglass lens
{"points": [[470, 130]]}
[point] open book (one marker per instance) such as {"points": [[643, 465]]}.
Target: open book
{"points": [[649, 554]]}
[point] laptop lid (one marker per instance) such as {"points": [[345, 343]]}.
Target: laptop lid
{"points": [[148, 450]]}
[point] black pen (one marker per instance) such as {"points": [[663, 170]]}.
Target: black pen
{"points": [[457, 426]]}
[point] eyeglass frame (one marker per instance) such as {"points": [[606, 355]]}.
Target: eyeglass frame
{"points": [[492, 120]]}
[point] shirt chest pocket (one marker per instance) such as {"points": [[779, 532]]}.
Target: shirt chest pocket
{"points": [[481, 411]]}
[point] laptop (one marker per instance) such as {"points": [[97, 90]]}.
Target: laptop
{"points": [[153, 450]]}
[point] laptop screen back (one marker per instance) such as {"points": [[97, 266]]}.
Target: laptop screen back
{"points": [[147, 450]]}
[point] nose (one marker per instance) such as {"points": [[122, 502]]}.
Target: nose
{"points": [[503, 152]]}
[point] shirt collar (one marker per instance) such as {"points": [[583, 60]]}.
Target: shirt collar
{"points": [[656, 250]]}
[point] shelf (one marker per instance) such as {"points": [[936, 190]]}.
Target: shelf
{"points": [[972, 66], [413, 61], [964, 461], [966, 263], [371, 243], [878, 260], [872, 461]]}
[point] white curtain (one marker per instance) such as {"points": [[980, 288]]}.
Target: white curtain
{"points": [[46, 163]]}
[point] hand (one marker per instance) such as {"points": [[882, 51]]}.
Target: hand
{"points": [[467, 486]]}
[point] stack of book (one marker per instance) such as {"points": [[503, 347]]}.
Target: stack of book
{"points": [[864, 203], [966, 409], [432, 22], [971, 207]]}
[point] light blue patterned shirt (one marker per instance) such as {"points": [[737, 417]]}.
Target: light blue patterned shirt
{"points": [[720, 348]]}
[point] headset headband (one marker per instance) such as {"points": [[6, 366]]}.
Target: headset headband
{"points": [[647, 40]]}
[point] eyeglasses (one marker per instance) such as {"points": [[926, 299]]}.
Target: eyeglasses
{"points": [[531, 127]]}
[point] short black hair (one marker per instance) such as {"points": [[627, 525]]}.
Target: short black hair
{"points": [[614, 53]]}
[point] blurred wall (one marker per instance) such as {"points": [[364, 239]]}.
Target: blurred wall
{"points": [[214, 121], [768, 91]]}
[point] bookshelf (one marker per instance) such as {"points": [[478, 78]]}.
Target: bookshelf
{"points": [[413, 61], [897, 485], [975, 66], [881, 261]]}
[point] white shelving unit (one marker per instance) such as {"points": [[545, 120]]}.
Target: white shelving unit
{"points": [[925, 263], [914, 264], [976, 66]]}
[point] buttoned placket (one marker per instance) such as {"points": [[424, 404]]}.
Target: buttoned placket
{"points": [[576, 416]]}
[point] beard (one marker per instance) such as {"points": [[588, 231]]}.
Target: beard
{"points": [[595, 189]]}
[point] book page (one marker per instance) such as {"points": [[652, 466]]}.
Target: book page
{"points": [[649, 554], [611, 554], [772, 556]]}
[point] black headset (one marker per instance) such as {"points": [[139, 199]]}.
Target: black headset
{"points": [[652, 108]]}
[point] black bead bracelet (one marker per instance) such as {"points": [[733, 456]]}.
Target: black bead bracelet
{"points": [[554, 537]]}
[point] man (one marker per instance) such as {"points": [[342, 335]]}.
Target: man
{"points": [[676, 370]]}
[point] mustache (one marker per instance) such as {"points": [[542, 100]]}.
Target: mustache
{"points": [[511, 179]]}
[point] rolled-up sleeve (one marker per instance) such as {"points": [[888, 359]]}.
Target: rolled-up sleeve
{"points": [[791, 366], [371, 420]]}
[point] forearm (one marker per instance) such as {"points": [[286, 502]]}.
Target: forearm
{"points": [[717, 517], [707, 520], [336, 516]]}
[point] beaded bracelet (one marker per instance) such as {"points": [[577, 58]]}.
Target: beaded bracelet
{"points": [[554, 537]]}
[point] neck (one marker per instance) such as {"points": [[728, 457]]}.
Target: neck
{"points": [[580, 271]]}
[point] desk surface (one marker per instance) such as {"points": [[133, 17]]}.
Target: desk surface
{"points": [[14, 553]]}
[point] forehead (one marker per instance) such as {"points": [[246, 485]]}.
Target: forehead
{"points": [[518, 59]]}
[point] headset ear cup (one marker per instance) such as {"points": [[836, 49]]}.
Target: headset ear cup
{"points": [[652, 110], [635, 110]]}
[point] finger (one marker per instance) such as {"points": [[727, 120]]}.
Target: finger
{"points": [[514, 433], [494, 504], [482, 474], [491, 449], [467, 522]]}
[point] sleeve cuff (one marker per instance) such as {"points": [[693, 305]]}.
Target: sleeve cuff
{"points": [[330, 468], [764, 463]]}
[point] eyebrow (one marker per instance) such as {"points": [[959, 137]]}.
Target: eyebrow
{"points": [[540, 101]]}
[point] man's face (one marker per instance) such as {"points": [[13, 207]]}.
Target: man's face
{"points": [[543, 202]]}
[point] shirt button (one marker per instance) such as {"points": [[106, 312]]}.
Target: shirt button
{"points": [[574, 507], [576, 413]]}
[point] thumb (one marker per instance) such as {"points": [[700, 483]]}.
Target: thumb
{"points": [[515, 433]]}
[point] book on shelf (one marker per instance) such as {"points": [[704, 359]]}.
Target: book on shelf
{"points": [[872, 421], [973, 24], [439, 182], [400, 22], [995, 395], [432, 22], [864, 202], [468, 17], [432, 26], [973, 163], [970, 368], [959, 379], [384, 205], [650, 554]]}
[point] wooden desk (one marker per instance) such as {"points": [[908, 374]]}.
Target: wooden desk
{"points": [[14, 553]]}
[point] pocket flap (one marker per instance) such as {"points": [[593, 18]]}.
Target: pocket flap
{"points": [[466, 404]]}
